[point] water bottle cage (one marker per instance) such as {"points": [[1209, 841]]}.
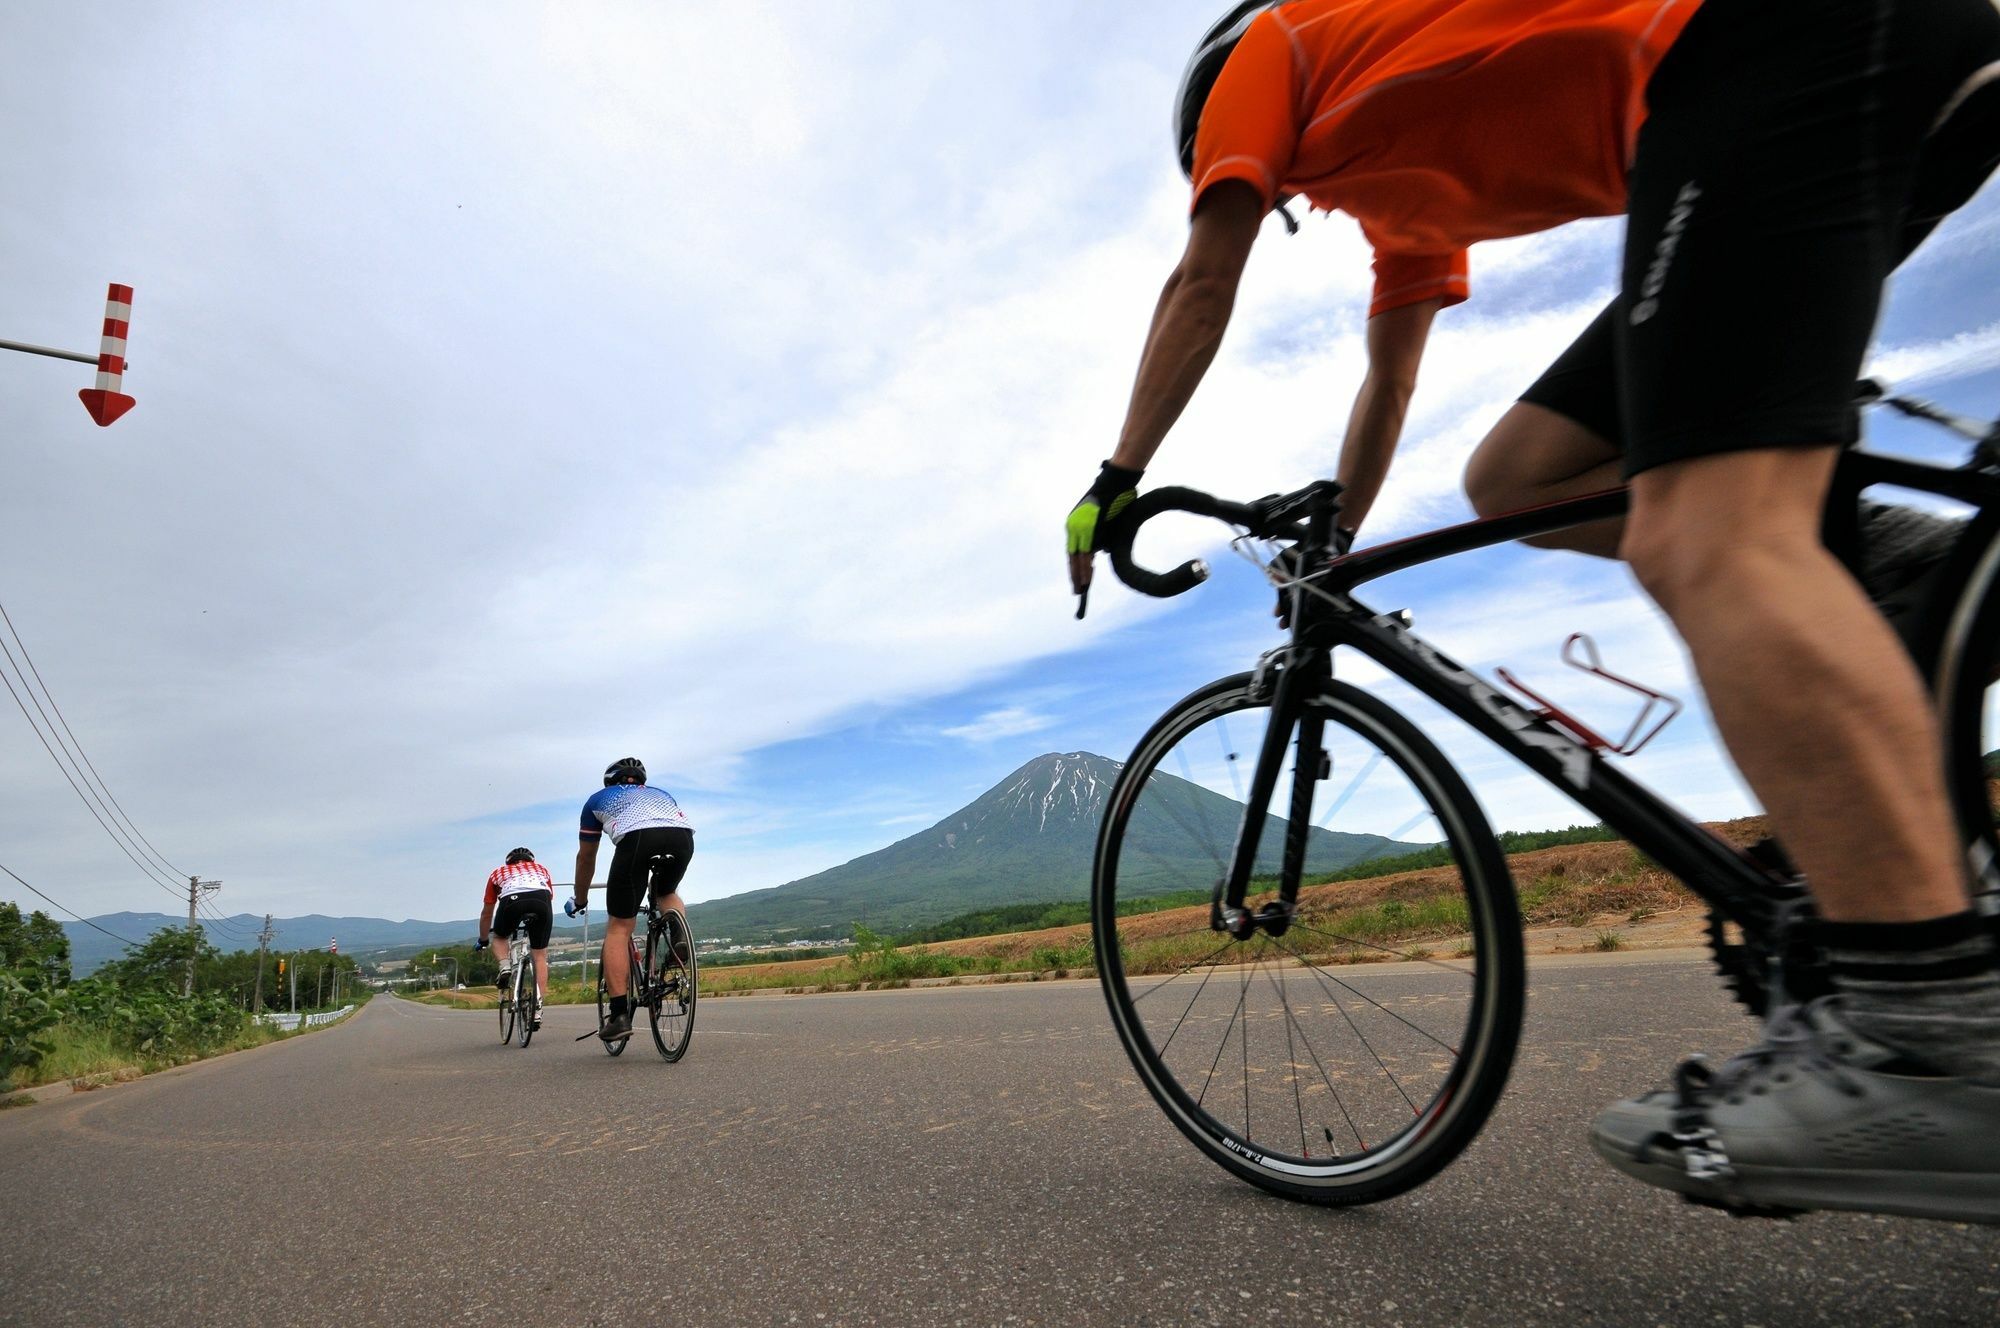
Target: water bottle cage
{"points": [[1580, 653]]}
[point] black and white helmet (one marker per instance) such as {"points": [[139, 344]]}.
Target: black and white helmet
{"points": [[519, 855], [1202, 70], [625, 770]]}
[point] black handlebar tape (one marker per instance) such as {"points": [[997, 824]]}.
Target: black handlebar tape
{"points": [[1119, 534]]}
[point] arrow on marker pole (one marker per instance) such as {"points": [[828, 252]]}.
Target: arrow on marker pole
{"points": [[106, 402]]}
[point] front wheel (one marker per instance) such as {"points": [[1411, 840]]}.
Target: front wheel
{"points": [[604, 1013], [1355, 1053], [672, 971], [524, 1001]]}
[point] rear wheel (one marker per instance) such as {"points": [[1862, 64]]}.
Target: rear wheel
{"points": [[524, 1000], [1354, 1054], [1968, 684], [671, 971], [507, 1014]]}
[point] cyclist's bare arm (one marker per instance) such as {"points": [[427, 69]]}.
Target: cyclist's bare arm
{"points": [[486, 918], [1396, 340], [1189, 320], [586, 868]]}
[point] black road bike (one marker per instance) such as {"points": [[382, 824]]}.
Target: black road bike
{"points": [[663, 979], [1338, 1036]]}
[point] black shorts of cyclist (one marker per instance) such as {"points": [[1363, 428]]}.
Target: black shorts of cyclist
{"points": [[535, 907], [626, 885], [1786, 166]]}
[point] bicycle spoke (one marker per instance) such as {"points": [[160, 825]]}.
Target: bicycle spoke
{"points": [[1185, 971], [1227, 1029], [1242, 1003], [1325, 1078], [1327, 978], [1300, 924], [1369, 1047], [1353, 785], [1175, 1031]]}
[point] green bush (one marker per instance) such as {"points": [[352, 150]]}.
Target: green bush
{"points": [[28, 1010]]}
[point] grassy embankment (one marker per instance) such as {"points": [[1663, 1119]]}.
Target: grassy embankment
{"points": [[1597, 895], [90, 1054]]}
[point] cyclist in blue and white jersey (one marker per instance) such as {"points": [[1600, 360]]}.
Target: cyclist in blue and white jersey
{"points": [[643, 822]]}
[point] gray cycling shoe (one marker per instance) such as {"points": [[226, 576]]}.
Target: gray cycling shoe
{"points": [[1817, 1116]]}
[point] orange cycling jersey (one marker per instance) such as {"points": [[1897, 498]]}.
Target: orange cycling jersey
{"points": [[1437, 123]]}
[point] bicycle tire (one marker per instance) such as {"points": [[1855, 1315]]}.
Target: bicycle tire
{"points": [[1489, 976], [616, 1048], [507, 1012], [524, 996], [672, 987]]}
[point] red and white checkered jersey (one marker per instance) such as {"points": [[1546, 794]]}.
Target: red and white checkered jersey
{"points": [[517, 878]]}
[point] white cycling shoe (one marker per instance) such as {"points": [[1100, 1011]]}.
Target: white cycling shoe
{"points": [[1816, 1116]]}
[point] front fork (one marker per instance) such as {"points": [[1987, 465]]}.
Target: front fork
{"points": [[1299, 680]]}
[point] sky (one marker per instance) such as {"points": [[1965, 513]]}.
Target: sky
{"points": [[525, 386]]}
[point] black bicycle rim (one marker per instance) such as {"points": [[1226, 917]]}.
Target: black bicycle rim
{"points": [[1355, 1055]]}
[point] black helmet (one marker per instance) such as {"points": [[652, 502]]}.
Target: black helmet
{"points": [[1203, 67], [625, 770], [519, 855]]}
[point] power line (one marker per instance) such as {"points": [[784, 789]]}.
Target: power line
{"points": [[151, 873], [16, 634], [72, 912], [228, 930]]}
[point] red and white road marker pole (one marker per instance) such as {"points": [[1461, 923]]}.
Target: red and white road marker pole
{"points": [[107, 401]]}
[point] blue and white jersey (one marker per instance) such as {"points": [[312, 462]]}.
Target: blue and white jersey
{"points": [[619, 810]]}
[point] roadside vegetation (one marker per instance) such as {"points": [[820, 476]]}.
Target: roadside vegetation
{"points": [[130, 1017]]}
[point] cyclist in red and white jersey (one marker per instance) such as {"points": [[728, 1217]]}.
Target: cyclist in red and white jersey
{"points": [[520, 890]]}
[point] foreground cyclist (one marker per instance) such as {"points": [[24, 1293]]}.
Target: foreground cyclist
{"points": [[518, 891], [1764, 151], [642, 822]]}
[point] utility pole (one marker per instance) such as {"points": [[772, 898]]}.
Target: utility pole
{"points": [[263, 944], [295, 982], [196, 889]]}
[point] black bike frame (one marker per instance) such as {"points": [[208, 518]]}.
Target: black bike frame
{"points": [[1729, 879]]}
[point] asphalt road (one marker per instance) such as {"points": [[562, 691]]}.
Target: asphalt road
{"points": [[972, 1155]]}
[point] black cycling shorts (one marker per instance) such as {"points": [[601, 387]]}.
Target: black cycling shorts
{"points": [[536, 907], [632, 865], [1775, 186]]}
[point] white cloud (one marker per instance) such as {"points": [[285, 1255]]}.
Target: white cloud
{"points": [[1010, 722]]}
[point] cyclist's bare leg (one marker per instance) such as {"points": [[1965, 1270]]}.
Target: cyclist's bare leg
{"points": [[541, 974], [618, 955], [671, 901], [500, 949], [1818, 703], [1535, 455]]}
